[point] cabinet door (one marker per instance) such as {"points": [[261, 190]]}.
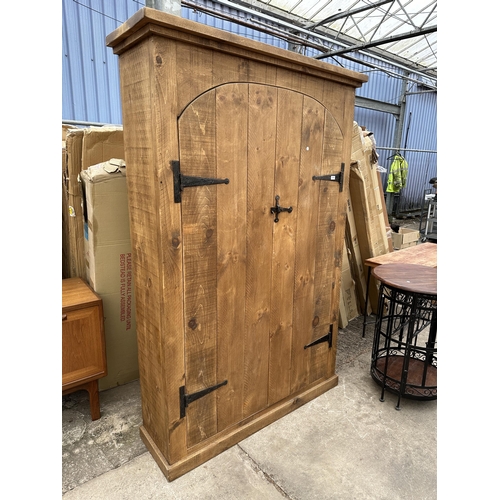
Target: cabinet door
{"points": [[257, 284], [82, 346]]}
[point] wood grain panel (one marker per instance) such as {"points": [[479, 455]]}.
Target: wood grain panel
{"points": [[139, 155], [154, 408], [288, 129], [199, 235], [168, 240], [261, 153], [339, 151], [304, 319], [82, 346], [227, 68], [191, 84], [329, 255], [231, 149]]}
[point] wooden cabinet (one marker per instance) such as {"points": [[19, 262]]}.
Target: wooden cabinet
{"points": [[83, 345], [238, 160]]}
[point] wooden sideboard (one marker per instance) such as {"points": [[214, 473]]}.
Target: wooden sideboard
{"points": [[83, 344]]}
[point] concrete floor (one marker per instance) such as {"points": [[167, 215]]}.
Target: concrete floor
{"points": [[345, 444]]}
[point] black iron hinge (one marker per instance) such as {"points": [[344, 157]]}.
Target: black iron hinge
{"points": [[333, 177], [182, 181], [326, 338], [186, 399]]}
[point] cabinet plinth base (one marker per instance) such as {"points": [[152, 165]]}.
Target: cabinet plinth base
{"points": [[232, 436]]}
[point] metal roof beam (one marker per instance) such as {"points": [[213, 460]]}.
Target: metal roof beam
{"points": [[335, 17], [391, 73], [390, 39], [385, 107], [288, 21]]}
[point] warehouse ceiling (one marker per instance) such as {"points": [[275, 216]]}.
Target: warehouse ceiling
{"points": [[398, 31]]}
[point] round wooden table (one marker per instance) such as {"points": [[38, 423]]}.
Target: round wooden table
{"points": [[404, 353]]}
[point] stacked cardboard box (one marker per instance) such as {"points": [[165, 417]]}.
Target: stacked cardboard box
{"points": [[96, 239], [83, 147], [108, 263]]}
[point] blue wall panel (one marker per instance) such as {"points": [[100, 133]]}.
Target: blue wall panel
{"points": [[91, 85]]}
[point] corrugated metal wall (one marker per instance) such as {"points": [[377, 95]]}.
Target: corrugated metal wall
{"points": [[91, 88]]}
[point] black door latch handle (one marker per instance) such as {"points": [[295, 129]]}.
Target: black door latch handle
{"points": [[277, 209]]}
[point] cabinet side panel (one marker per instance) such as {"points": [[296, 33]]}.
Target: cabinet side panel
{"points": [[165, 66], [143, 213]]}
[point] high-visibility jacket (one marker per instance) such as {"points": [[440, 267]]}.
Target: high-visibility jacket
{"points": [[398, 173]]}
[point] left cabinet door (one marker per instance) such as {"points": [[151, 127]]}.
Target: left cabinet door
{"points": [[82, 346]]}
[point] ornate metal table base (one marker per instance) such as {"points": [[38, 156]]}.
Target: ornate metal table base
{"points": [[404, 353]]}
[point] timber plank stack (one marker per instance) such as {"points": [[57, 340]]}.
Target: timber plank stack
{"points": [[367, 226]]}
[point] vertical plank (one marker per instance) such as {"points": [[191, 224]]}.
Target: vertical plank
{"points": [[231, 150], [191, 84], [199, 235], [304, 319], [329, 251], [135, 83], [163, 223], [288, 129], [261, 154]]}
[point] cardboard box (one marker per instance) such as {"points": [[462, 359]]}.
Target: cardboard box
{"points": [[82, 148], [108, 260], [405, 238]]}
